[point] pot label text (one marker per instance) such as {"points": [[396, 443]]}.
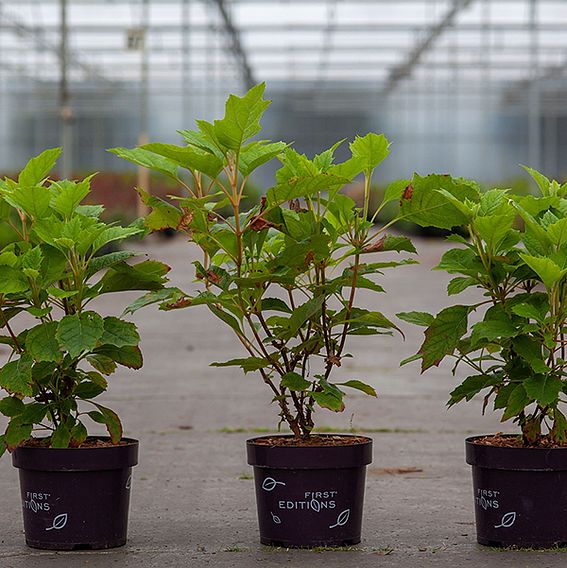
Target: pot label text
{"points": [[487, 498], [36, 501]]}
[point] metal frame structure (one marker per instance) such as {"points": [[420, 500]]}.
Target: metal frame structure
{"points": [[507, 54]]}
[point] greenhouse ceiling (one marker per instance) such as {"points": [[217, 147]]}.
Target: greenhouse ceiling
{"points": [[367, 47]]}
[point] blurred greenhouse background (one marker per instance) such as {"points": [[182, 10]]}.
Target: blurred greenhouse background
{"points": [[470, 87]]}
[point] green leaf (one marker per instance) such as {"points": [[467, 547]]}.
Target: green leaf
{"points": [[359, 385], [470, 387], [119, 332], [79, 433], [294, 382], [417, 318], [395, 190], [16, 433], [542, 182], [113, 234], [94, 211], [545, 268], [348, 169], [443, 335], [148, 159], [303, 187], [86, 390], [371, 319], [53, 265], [33, 413], [558, 232], [103, 364], [122, 277], [32, 259], [37, 169], [12, 281], [535, 236], [154, 297], [463, 261], [423, 204], [61, 436], [411, 359], [258, 153], [544, 389], [128, 356], [276, 305], [101, 262], [460, 284], [303, 313], [33, 200], [325, 159], [247, 364], [397, 243], [16, 376], [495, 230], [328, 400], [242, 118], [112, 422], [372, 149], [230, 320], [190, 158], [530, 311], [493, 330], [11, 406], [69, 196], [203, 139], [97, 379], [41, 342], [530, 350], [78, 333], [517, 401]]}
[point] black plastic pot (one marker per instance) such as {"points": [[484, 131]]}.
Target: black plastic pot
{"points": [[520, 495], [311, 495], [76, 498]]}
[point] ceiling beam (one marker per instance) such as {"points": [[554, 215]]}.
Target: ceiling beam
{"points": [[413, 58], [36, 34], [273, 2], [235, 45], [261, 49], [278, 28]]}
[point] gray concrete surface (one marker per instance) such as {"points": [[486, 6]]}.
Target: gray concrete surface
{"points": [[193, 502]]}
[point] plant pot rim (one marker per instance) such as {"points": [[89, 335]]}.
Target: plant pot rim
{"points": [[99, 458], [514, 458], [309, 457], [317, 434]]}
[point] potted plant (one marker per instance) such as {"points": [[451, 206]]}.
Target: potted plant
{"points": [[512, 340], [75, 488], [284, 277]]}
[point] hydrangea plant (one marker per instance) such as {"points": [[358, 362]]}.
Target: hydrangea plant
{"points": [[61, 349], [284, 276], [512, 339]]}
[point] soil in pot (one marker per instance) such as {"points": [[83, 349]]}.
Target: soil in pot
{"points": [[76, 498], [312, 494], [520, 493]]}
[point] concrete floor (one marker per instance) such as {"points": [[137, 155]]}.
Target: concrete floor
{"points": [[193, 500]]}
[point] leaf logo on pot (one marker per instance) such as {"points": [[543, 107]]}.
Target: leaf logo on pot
{"points": [[507, 520], [342, 519], [315, 505], [129, 483], [269, 484], [58, 522], [276, 519]]}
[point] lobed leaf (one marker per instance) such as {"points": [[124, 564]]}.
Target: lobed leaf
{"points": [[443, 335]]}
